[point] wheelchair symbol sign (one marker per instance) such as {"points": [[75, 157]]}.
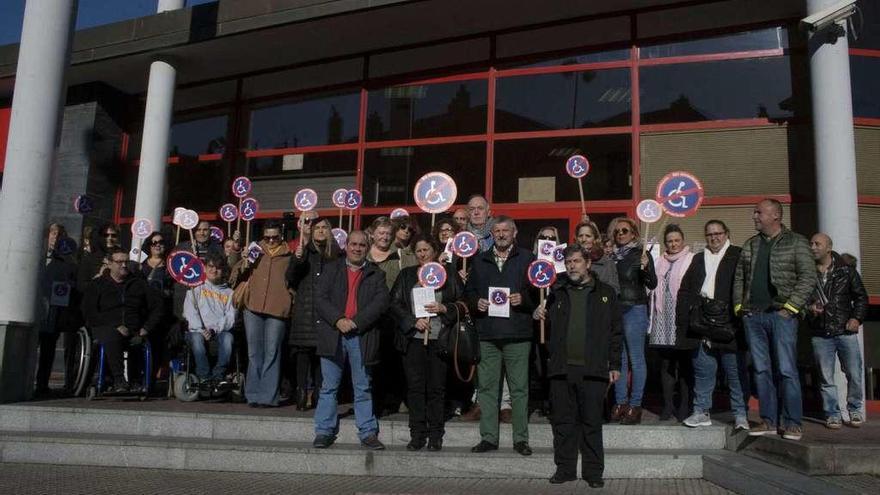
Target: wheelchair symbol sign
{"points": [[241, 187], [188, 219], [186, 268], [217, 234], [649, 211], [65, 246], [398, 213], [338, 197], [435, 192], [141, 228], [249, 209], [353, 199], [465, 244], [680, 194], [305, 200], [83, 204], [542, 274], [341, 237], [577, 166], [228, 212], [432, 275], [498, 297]]}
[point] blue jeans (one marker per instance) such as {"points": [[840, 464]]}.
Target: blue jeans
{"points": [[705, 371], [326, 417], [846, 348], [769, 334], [635, 329], [200, 353], [265, 335]]}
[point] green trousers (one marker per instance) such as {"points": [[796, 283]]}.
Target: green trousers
{"points": [[513, 357]]}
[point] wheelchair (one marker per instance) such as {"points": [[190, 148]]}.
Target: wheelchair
{"points": [[91, 369], [187, 386]]}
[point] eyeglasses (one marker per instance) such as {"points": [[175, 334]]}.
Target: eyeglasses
{"points": [[715, 234], [271, 238], [119, 262], [159, 242], [447, 229], [547, 237], [621, 231]]}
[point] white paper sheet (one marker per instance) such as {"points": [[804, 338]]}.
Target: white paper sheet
{"points": [[422, 296]]}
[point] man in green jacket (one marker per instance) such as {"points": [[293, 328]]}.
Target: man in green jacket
{"points": [[774, 278]]}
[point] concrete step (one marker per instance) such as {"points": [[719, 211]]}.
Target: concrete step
{"points": [[300, 458], [234, 427], [749, 476], [814, 458]]}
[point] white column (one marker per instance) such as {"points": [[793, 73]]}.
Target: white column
{"points": [[836, 184], [150, 197], [37, 103]]}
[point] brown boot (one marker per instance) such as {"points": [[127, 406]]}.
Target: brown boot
{"points": [[633, 416], [473, 414], [618, 412]]}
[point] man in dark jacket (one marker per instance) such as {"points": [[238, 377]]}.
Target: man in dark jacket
{"points": [[835, 311], [351, 296], [504, 341], [120, 308], [584, 346]]}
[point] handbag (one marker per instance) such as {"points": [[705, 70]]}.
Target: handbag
{"points": [[462, 343], [240, 295], [711, 318]]}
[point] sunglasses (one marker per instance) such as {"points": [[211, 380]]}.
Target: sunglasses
{"points": [[547, 237], [159, 242], [272, 237], [621, 231], [409, 229], [111, 234]]}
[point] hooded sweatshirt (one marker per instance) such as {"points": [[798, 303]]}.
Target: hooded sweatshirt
{"points": [[209, 306]]}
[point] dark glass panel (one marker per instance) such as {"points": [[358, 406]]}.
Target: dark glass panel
{"points": [[198, 137], [196, 185], [306, 165], [610, 167], [311, 122], [391, 173], [867, 26], [567, 100], [444, 109], [865, 80], [585, 58], [731, 89], [762, 39]]}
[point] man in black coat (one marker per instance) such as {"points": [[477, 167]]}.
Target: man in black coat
{"points": [[351, 296], [584, 347], [120, 308]]}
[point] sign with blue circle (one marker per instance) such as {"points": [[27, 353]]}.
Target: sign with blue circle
{"points": [[498, 297], [353, 199], [186, 268], [83, 204], [680, 193], [577, 166], [398, 213], [465, 244], [228, 212], [141, 228], [649, 211], [249, 209], [432, 275], [241, 187], [341, 237], [338, 197], [217, 234], [542, 274], [305, 200], [435, 192], [65, 246]]}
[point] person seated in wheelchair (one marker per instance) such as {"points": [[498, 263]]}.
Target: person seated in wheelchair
{"points": [[121, 310], [210, 316]]}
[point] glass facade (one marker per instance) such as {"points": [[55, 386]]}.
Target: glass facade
{"points": [[314, 121]]}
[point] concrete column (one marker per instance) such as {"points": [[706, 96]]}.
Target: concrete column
{"points": [[836, 185], [150, 197], [37, 101]]}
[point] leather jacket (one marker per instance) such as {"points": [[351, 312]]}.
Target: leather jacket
{"points": [[844, 297], [635, 282]]}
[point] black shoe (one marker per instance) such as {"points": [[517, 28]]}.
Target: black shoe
{"points": [[522, 448], [435, 444], [596, 483], [483, 446], [372, 442], [300, 400], [560, 477], [415, 444], [323, 441]]}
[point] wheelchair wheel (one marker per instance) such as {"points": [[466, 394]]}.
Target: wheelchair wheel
{"points": [[186, 387], [236, 391], [82, 360]]}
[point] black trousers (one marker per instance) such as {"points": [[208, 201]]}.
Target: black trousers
{"points": [[426, 387], [676, 372], [307, 367], [114, 344], [576, 417], [48, 342], [389, 384]]}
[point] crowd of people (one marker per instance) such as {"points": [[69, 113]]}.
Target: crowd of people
{"points": [[310, 310]]}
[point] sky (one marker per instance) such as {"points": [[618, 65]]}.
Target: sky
{"points": [[91, 13]]}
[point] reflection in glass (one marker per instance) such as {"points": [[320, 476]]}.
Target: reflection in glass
{"points": [[567, 100], [867, 26], [731, 89], [583, 58], [198, 186], [609, 177], [444, 109], [313, 122], [865, 79], [198, 137], [762, 39], [305, 165], [391, 173]]}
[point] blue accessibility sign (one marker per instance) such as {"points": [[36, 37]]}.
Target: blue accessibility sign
{"points": [[186, 268], [680, 193], [542, 274]]}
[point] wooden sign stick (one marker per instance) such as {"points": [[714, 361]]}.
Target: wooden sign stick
{"points": [[581, 191], [541, 291]]}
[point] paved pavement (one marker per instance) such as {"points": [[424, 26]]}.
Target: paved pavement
{"points": [[27, 479]]}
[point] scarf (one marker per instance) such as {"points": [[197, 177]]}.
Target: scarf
{"points": [[712, 262], [620, 252], [484, 234], [670, 270]]}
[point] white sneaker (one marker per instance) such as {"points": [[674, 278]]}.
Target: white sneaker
{"points": [[856, 419], [698, 419], [742, 424]]}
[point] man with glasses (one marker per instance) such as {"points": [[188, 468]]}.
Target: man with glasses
{"points": [[120, 309]]}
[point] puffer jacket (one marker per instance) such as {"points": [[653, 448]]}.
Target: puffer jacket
{"points": [[792, 271], [844, 297], [635, 282], [303, 275]]}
